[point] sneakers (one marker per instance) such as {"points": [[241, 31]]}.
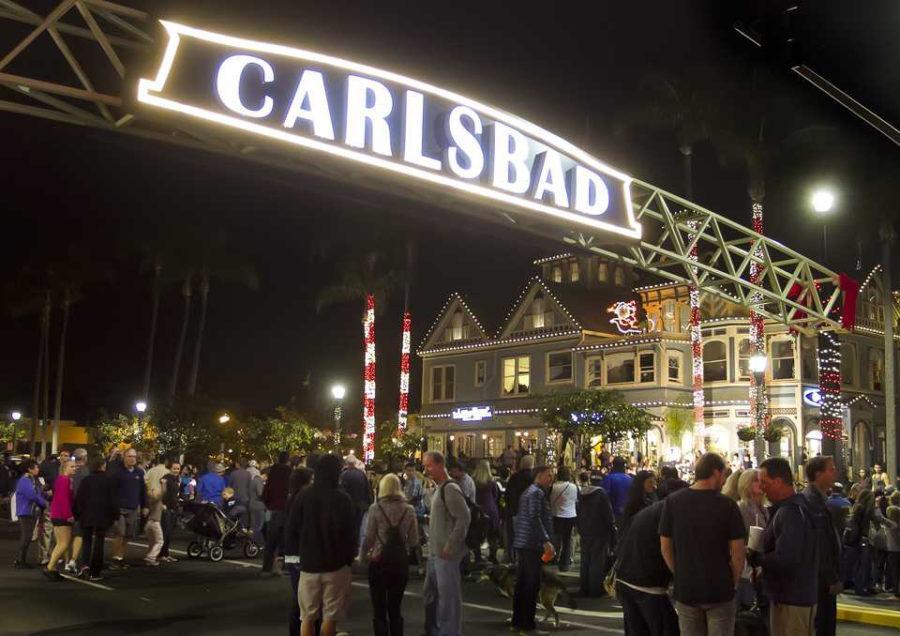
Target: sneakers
{"points": [[151, 563], [53, 575], [118, 564], [168, 559], [71, 567]]}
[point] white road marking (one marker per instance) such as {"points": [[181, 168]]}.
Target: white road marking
{"points": [[69, 577]]}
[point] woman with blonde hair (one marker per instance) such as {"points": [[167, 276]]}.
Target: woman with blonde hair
{"points": [[391, 532], [487, 496], [730, 489], [751, 500]]}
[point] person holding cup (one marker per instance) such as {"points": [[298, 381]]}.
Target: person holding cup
{"points": [[789, 555]]}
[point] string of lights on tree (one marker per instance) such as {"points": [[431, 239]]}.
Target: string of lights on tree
{"points": [[758, 400], [369, 381], [404, 372], [831, 422]]}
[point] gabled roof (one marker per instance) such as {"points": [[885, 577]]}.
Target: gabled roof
{"points": [[454, 302]]}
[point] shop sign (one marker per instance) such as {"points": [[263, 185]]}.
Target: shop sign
{"points": [[812, 397], [473, 414], [387, 121]]}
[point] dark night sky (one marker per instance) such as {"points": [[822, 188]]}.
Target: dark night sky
{"points": [[574, 72]]}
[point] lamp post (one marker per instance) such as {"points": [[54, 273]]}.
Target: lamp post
{"points": [[337, 392], [758, 363], [823, 203], [224, 418], [16, 416], [140, 407]]}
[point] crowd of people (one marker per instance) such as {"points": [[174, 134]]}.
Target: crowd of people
{"points": [[739, 545]]}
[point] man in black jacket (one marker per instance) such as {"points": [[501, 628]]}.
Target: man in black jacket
{"points": [[321, 531], [789, 558], [95, 508], [596, 525], [821, 474], [275, 494], [517, 484], [642, 577]]}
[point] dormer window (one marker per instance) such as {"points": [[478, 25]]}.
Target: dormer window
{"points": [[540, 316], [619, 276], [603, 272], [556, 275], [457, 329], [574, 272]]}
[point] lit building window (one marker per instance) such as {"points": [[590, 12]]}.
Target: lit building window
{"points": [[540, 317], [516, 375], [782, 356], [443, 383], [744, 359], [574, 272], [556, 274], [594, 372], [458, 329], [876, 369], [603, 272], [619, 276], [674, 360], [715, 361], [559, 367]]}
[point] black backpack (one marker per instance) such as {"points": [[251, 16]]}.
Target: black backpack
{"points": [[393, 548], [478, 523]]}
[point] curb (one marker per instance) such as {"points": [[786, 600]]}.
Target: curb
{"points": [[857, 614]]}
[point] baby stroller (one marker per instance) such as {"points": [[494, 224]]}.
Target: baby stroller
{"points": [[217, 533]]}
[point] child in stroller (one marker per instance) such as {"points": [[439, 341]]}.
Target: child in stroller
{"points": [[215, 533]]}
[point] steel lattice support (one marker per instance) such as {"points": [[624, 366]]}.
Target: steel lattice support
{"points": [[791, 288]]}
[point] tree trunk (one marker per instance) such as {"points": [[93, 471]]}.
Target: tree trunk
{"points": [[38, 375], [154, 313], [562, 450], [198, 345], [179, 350], [60, 369]]}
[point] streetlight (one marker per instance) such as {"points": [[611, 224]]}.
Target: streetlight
{"points": [[224, 418], [337, 392], [140, 407], [758, 363], [16, 416], [823, 203]]}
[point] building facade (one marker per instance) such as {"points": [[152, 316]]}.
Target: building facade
{"points": [[582, 324]]}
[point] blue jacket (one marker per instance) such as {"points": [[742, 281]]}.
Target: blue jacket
{"points": [[790, 558], [28, 496], [617, 486], [131, 493], [533, 521], [210, 487]]}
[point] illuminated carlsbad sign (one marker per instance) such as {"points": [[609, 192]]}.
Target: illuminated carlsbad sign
{"points": [[388, 121]]}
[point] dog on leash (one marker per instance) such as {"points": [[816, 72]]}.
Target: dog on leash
{"points": [[553, 589]]}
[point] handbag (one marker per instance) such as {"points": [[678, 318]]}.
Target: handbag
{"points": [[609, 583]]}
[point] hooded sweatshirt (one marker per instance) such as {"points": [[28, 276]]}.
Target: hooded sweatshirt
{"points": [[322, 522], [595, 515]]}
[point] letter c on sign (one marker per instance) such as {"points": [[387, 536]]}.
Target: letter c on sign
{"points": [[228, 84]]}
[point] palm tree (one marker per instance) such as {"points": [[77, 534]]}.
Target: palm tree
{"points": [[368, 280], [688, 106], [151, 338], [216, 260]]}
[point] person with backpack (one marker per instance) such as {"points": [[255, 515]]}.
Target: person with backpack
{"points": [[391, 532], [448, 526], [533, 534]]}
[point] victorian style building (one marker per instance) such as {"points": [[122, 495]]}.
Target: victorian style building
{"points": [[581, 323]]}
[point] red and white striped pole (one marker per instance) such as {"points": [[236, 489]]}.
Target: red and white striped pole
{"points": [[368, 444], [758, 402], [404, 372]]}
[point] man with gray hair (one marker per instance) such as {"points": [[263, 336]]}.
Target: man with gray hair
{"points": [[447, 528], [79, 455]]}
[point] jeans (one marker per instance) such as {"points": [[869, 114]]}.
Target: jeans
{"points": [[274, 539], [45, 535], [442, 595], [528, 584], [257, 518], [715, 619], [92, 548], [647, 614], [862, 574], [826, 614], [893, 573], [386, 586], [26, 529], [509, 534], [168, 526], [594, 561], [562, 540]]}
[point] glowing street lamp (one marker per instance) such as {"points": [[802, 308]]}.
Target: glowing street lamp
{"points": [[823, 203], [16, 416], [140, 407], [338, 391], [224, 418]]}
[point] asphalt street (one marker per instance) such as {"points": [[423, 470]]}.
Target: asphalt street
{"points": [[198, 597]]}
